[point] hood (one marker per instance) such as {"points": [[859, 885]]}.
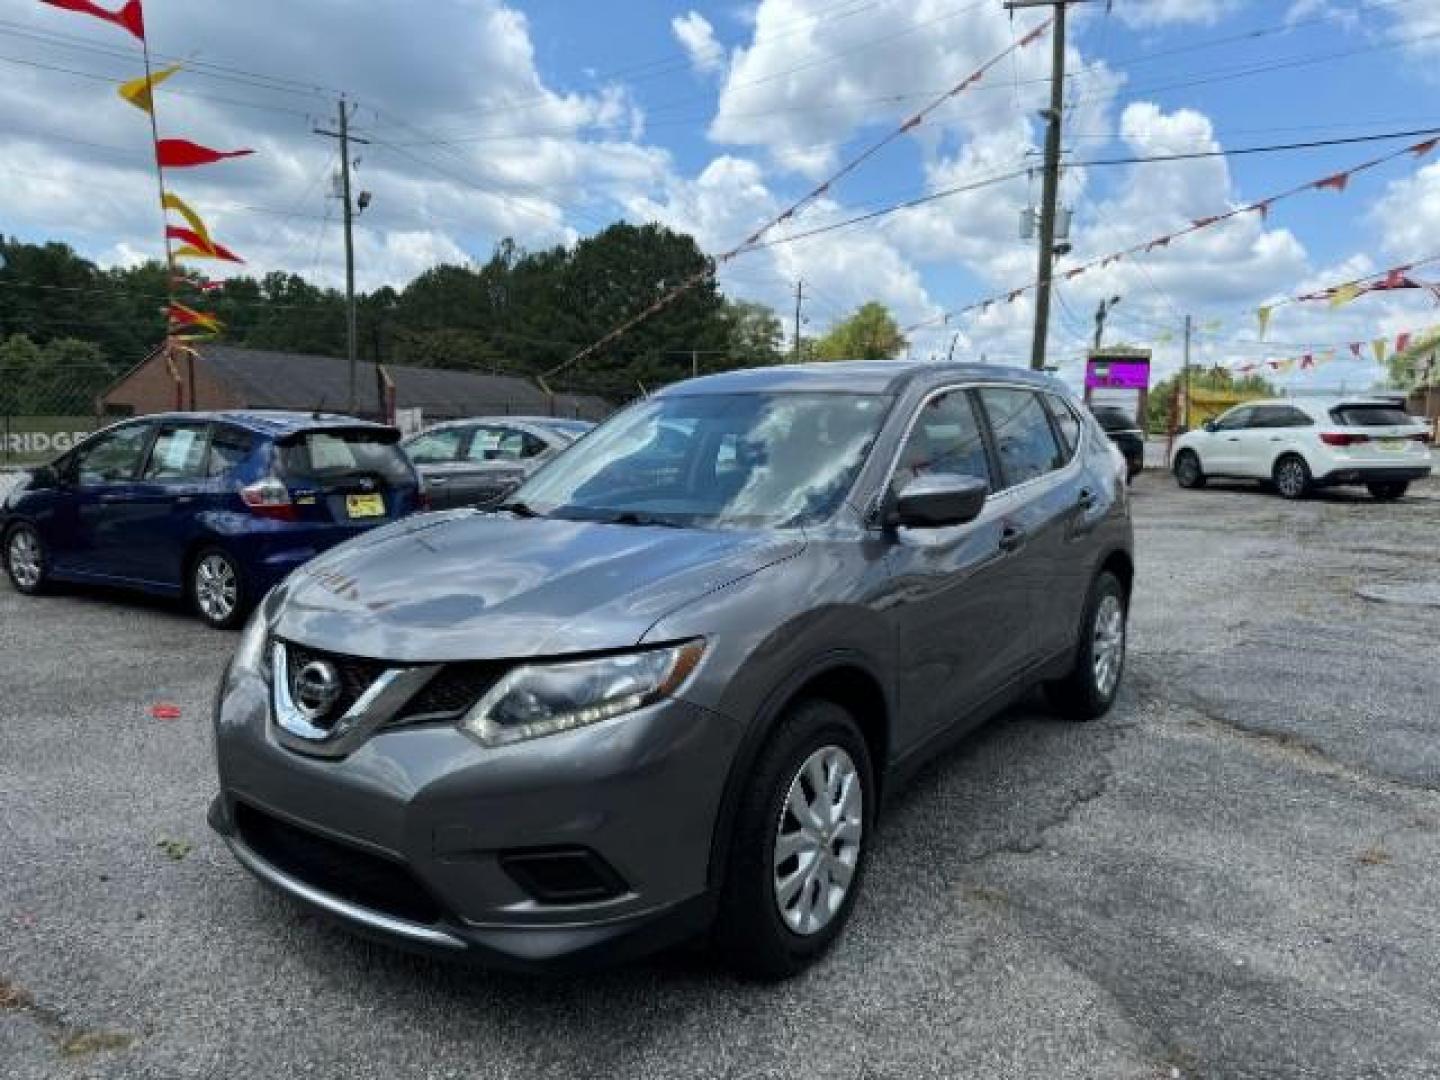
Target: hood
{"points": [[489, 586]]}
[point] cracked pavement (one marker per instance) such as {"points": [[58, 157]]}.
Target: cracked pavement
{"points": [[1233, 875]]}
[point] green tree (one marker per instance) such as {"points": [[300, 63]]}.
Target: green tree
{"points": [[1162, 394], [1417, 365], [755, 336], [869, 334]]}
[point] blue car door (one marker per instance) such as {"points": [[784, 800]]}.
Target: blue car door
{"points": [[86, 531], [162, 505]]}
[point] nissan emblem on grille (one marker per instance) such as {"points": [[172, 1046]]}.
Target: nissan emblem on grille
{"points": [[316, 688]]}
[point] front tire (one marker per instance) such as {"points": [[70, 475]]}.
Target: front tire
{"points": [[1388, 490], [798, 849], [1089, 690], [1292, 477], [26, 561], [1188, 473], [217, 589]]}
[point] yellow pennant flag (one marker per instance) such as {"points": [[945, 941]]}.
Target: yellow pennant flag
{"points": [[138, 92], [1380, 344], [1284, 365], [174, 202], [1264, 316], [1343, 294]]}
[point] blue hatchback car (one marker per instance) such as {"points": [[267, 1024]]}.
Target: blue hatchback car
{"points": [[214, 507]]}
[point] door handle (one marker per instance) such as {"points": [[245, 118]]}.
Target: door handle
{"points": [[1086, 500], [1012, 538], [1233, 438], [1275, 438], [438, 480], [113, 498]]}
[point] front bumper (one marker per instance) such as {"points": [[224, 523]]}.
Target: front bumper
{"points": [[442, 818]]}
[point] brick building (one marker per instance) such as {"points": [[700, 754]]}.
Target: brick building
{"points": [[226, 377]]}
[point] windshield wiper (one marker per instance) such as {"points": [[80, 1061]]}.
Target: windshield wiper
{"points": [[630, 517], [518, 508]]}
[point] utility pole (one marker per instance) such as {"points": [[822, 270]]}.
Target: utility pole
{"points": [[799, 299], [1051, 191], [694, 363], [1106, 306], [1185, 377], [343, 134]]}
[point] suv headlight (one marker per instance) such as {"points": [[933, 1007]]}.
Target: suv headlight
{"points": [[544, 699]]}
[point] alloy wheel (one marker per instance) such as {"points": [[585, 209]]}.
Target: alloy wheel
{"points": [[216, 587], [1290, 478], [24, 559], [817, 841], [1108, 649]]}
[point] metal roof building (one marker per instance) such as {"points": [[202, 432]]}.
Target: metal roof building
{"points": [[228, 377]]}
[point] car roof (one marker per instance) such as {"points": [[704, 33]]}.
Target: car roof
{"points": [[1321, 406], [273, 422], [887, 377], [547, 422]]}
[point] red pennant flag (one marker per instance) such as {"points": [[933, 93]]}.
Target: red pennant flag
{"points": [[128, 17], [182, 154], [201, 244], [1263, 209], [1402, 342], [911, 124], [1394, 279], [1034, 35], [1014, 296], [1307, 361], [1164, 241], [1245, 369], [1201, 223], [1355, 347], [180, 315], [1421, 149], [1074, 273], [1337, 182]]}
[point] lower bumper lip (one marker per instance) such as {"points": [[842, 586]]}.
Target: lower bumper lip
{"points": [[365, 917]]}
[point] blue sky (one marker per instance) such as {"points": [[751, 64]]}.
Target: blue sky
{"points": [[544, 120]]}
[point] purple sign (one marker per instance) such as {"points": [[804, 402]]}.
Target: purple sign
{"points": [[1117, 374]]}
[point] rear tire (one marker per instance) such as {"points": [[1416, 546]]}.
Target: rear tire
{"points": [[1093, 683], [1291, 477], [1388, 490], [760, 930], [217, 589], [26, 561], [1188, 473]]}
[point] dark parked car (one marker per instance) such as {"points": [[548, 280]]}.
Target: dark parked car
{"points": [[216, 507], [1125, 433], [477, 462], [618, 713]]}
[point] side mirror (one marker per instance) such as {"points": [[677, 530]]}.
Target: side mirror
{"points": [[1211, 425], [933, 502]]}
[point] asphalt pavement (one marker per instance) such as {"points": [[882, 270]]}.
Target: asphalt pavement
{"points": [[1231, 876]]}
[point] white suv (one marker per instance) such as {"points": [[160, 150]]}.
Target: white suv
{"points": [[1300, 445]]}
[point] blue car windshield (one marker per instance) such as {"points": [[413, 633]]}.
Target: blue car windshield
{"points": [[726, 460]]}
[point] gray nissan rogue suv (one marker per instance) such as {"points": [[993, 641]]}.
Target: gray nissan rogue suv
{"points": [[661, 692]]}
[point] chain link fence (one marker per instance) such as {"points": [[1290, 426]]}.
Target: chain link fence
{"points": [[43, 413]]}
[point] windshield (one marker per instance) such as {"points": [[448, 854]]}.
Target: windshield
{"points": [[320, 456], [714, 459]]}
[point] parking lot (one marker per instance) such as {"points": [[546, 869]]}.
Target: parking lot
{"points": [[1232, 875]]}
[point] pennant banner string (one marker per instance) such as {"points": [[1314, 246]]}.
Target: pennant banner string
{"points": [[1261, 206]]}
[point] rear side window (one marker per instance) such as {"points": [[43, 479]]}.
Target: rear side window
{"points": [[1023, 436], [1377, 415], [1278, 416], [436, 447], [946, 438], [178, 452], [228, 448], [320, 456], [1066, 422]]}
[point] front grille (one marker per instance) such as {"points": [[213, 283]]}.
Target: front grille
{"points": [[348, 873], [356, 675], [454, 689]]}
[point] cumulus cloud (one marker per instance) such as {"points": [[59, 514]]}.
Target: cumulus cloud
{"points": [[697, 36], [1151, 13]]}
